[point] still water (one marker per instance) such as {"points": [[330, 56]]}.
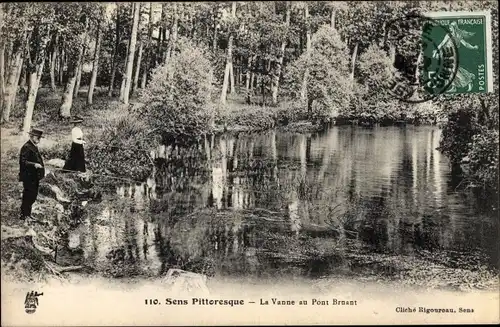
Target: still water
{"points": [[280, 203]]}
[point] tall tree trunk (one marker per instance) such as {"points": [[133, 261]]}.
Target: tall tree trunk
{"points": [[72, 76], [79, 73], [214, 40], [144, 77], [263, 89], [2, 62], [162, 35], [22, 83], [131, 53], [165, 37], [35, 74], [95, 66], [30, 101], [229, 60], [56, 68], [12, 84], [67, 98], [173, 34], [247, 78], [148, 49], [137, 67], [303, 92], [76, 88], [115, 52], [236, 71], [417, 66], [276, 79], [158, 55], [253, 80], [53, 59], [61, 66], [9, 52], [231, 78], [2, 69], [353, 60], [20, 71], [122, 75], [239, 71]]}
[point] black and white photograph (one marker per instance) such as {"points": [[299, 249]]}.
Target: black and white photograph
{"points": [[249, 163]]}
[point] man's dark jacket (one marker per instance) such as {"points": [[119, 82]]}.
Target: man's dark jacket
{"points": [[28, 156]]}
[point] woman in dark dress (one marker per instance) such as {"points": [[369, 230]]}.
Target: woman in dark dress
{"points": [[76, 159]]}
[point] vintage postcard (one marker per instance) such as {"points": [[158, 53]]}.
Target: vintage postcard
{"points": [[249, 163]]}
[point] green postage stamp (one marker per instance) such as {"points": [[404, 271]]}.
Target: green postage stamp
{"points": [[462, 46]]}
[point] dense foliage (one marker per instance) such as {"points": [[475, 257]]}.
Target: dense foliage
{"points": [[326, 68], [483, 159], [374, 102], [178, 96], [120, 148], [457, 135]]}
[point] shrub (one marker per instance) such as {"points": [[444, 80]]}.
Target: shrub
{"points": [[179, 94], [373, 98], [425, 113], [291, 112], [483, 158], [328, 85], [121, 148], [457, 135], [251, 116]]}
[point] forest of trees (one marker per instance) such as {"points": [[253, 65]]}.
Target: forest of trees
{"points": [[186, 60], [255, 48]]}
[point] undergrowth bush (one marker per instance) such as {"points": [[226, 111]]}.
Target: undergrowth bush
{"points": [[457, 135], [179, 94], [252, 116], [122, 148], [291, 112], [466, 142], [483, 159]]}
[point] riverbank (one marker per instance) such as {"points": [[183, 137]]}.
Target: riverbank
{"points": [[37, 249]]}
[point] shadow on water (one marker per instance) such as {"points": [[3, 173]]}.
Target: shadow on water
{"points": [[287, 204]]}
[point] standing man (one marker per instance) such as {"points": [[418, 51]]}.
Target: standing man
{"points": [[31, 171]]}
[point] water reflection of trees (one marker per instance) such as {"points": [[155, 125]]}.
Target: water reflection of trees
{"points": [[231, 203], [119, 240]]}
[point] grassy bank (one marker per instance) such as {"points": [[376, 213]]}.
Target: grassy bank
{"points": [[30, 251]]}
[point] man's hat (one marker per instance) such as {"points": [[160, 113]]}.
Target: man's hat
{"points": [[36, 131], [76, 119]]}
